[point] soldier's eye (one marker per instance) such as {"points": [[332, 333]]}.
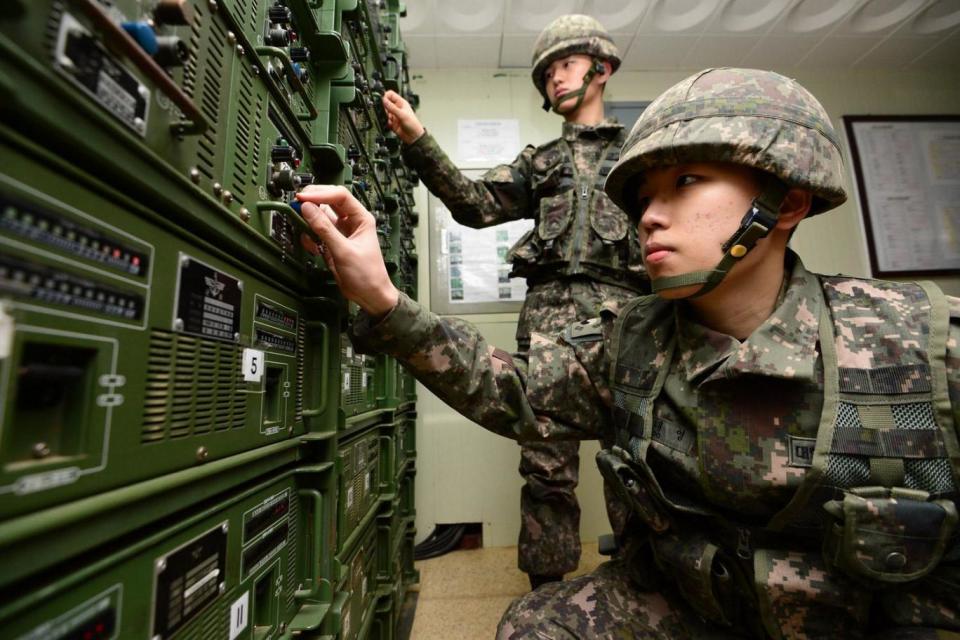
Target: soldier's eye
{"points": [[686, 179]]}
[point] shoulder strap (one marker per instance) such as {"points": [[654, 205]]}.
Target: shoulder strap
{"points": [[886, 412]]}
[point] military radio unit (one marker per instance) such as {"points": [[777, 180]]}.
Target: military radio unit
{"points": [[189, 445]]}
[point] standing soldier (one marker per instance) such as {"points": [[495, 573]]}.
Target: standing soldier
{"points": [[582, 251], [787, 441]]}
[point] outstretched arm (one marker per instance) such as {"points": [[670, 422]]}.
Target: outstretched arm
{"points": [[501, 195], [558, 393]]}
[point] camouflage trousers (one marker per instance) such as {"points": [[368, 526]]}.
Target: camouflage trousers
{"points": [[606, 604], [549, 541]]}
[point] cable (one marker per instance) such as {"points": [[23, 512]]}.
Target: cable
{"points": [[443, 539]]}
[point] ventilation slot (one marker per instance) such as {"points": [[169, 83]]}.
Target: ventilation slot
{"points": [[190, 68], [241, 157], [301, 347], [210, 98], [254, 9], [193, 387], [343, 128], [293, 519], [212, 623]]}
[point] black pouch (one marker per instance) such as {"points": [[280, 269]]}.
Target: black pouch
{"points": [[700, 572], [888, 535]]}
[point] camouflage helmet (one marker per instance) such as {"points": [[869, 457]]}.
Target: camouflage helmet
{"points": [[750, 117], [567, 35]]}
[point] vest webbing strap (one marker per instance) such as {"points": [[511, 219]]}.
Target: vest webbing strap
{"points": [[939, 327], [828, 418]]}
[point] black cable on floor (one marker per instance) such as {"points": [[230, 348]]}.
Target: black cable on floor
{"points": [[443, 539]]}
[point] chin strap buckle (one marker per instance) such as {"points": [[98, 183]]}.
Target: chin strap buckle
{"points": [[756, 224]]}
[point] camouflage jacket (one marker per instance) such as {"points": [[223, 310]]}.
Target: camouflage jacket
{"points": [[714, 385], [577, 231]]}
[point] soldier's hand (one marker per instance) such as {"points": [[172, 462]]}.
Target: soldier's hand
{"points": [[351, 248], [400, 117]]}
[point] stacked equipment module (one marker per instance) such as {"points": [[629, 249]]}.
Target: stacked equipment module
{"points": [[189, 446]]}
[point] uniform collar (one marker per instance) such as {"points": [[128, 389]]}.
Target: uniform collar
{"points": [[608, 129], [784, 346]]}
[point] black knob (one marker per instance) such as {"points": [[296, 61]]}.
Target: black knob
{"points": [[278, 37], [283, 153], [299, 54], [279, 14]]}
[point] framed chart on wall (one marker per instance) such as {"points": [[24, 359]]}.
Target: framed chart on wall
{"points": [[469, 268], [908, 180]]}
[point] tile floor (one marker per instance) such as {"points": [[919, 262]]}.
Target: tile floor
{"points": [[464, 593]]}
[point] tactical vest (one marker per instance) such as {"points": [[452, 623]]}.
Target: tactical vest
{"points": [[876, 505], [578, 230]]}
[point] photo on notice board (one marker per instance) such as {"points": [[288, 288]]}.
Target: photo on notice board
{"points": [[907, 170]]}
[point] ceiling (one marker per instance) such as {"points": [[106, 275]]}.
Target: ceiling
{"points": [[691, 34]]}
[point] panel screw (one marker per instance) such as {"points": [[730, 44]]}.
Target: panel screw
{"points": [[195, 175], [178, 325], [227, 196], [217, 188], [240, 50], [231, 37], [212, 5], [161, 565], [245, 214], [202, 454], [41, 450]]}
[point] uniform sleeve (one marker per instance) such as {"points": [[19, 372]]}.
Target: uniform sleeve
{"points": [[953, 360], [501, 195], [551, 393]]}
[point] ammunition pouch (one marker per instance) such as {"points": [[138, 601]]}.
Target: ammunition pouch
{"points": [[701, 572], [882, 535]]}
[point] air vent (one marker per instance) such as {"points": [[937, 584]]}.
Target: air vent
{"points": [[193, 387], [210, 98], [241, 157], [301, 348], [292, 546]]}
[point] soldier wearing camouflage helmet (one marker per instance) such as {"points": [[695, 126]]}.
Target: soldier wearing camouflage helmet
{"points": [[581, 252], [787, 441]]}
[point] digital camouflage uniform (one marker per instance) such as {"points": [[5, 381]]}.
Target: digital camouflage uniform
{"points": [[801, 483], [755, 399], [582, 251]]}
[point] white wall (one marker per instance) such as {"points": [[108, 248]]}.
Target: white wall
{"points": [[466, 474]]}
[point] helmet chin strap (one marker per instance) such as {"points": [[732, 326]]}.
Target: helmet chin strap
{"points": [[595, 68], [759, 220]]}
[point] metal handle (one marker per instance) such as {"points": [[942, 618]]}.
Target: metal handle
{"points": [[298, 86], [313, 592], [282, 207], [197, 123], [324, 364]]}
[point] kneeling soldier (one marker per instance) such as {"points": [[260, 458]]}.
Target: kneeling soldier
{"points": [[787, 441]]}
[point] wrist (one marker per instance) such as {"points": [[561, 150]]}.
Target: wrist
{"points": [[380, 302], [414, 134]]}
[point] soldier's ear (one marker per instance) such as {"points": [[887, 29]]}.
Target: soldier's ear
{"points": [[796, 205], [604, 70]]}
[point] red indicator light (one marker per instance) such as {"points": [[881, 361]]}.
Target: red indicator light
{"points": [[135, 260], [116, 253]]}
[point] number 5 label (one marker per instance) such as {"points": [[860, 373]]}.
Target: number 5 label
{"points": [[252, 365]]}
